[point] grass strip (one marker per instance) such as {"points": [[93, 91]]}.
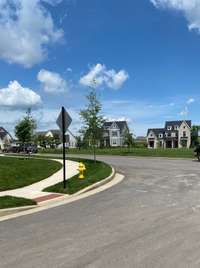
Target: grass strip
{"points": [[11, 202], [94, 172], [143, 152]]}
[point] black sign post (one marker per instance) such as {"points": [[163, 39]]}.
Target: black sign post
{"points": [[63, 138], [63, 121]]}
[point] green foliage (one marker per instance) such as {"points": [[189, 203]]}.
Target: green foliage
{"points": [[11, 202], [95, 171], [128, 139], [184, 143], [194, 135], [47, 141], [24, 130], [93, 121], [79, 142]]}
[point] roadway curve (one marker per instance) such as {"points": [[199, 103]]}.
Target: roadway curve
{"points": [[151, 219]]}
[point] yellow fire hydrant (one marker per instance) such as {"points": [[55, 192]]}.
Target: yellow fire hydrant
{"points": [[81, 169]]}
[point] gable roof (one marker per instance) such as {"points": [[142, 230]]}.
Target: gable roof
{"points": [[120, 124], [41, 133], [55, 131], [3, 133], [177, 123], [156, 131]]}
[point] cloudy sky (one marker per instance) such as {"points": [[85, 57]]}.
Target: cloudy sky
{"points": [[144, 56]]}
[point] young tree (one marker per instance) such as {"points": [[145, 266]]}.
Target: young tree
{"points": [[93, 121], [128, 139], [79, 142], [24, 130]]}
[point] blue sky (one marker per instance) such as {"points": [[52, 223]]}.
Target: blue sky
{"points": [[144, 55]]}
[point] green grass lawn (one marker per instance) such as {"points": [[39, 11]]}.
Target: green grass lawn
{"points": [[94, 173], [11, 201], [181, 153], [19, 172]]}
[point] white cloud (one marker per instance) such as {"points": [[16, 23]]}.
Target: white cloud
{"points": [[26, 29], [17, 97], [99, 75], [52, 82], [190, 101], [189, 8]]}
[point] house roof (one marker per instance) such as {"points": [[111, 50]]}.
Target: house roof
{"points": [[156, 131], [55, 131], [177, 123], [3, 133], [120, 124], [41, 133]]}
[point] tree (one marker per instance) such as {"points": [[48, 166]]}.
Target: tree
{"points": [[93, 121], [24, 130], [195, 135], [79, 142], [128, 139]]}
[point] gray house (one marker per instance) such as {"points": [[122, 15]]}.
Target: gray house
{"points": [[114, 133], [175, 134]]}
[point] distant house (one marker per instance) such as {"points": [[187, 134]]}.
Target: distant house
{"points": [[140, 139], [5, 138], [52, 133], [114, 133], [175, 134]]}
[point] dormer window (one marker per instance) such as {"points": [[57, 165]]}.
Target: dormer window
{"points": [[160, 135], [169, 128], [176, 127]]}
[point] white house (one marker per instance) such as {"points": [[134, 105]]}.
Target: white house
{"points": [[114, 133], [175, 134], [5, 138], [70, 138]]}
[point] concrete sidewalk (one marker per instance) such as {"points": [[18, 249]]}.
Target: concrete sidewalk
{"points": [[34, 191]]}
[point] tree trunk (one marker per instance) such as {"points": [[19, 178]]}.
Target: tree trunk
{"points": [[94, 150]]}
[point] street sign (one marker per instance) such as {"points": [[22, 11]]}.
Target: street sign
{"points": [[65, 118]]}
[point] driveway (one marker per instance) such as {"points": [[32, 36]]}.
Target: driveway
{"points": [[151, 219]]}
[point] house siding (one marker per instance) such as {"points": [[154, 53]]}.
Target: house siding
{"points": [[176, 134]]}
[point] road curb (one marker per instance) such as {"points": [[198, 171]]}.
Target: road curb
{"points": [[108, 182], [97, 184]]}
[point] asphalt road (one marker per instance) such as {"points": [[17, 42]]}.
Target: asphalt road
{"points": [[151, 219]]}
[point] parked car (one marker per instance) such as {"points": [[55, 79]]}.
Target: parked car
{"points": [[197, 152], [12, 149], [22, 148]]}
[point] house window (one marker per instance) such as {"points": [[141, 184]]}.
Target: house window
{"points": [[114, 143], [169, 128], [114, 133], [160, 135], [184, 127], [173, 134], [184, 133], [176, 127]]}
